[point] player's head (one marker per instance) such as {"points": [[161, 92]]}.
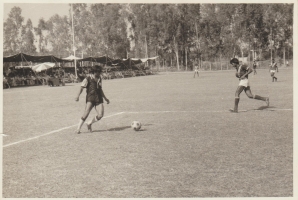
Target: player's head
{"points": [[96, 69], [234, 62]]}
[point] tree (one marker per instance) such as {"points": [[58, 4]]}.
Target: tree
{"points": [[28, 38], [12, 31], [40, 32], [59, 36]]}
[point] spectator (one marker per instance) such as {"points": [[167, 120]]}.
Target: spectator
{"points": [[5, 83]]}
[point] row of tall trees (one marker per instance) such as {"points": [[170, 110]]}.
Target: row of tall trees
{"points": [[178, 33]]}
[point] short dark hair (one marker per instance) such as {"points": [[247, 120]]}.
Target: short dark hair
{"points": [[96, 68], [234, 60]]}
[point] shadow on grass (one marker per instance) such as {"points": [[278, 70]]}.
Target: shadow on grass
{"points": [[120, 128], [265, 108]]}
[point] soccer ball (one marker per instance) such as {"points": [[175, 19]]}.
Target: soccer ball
{"points": [[136, 125]]}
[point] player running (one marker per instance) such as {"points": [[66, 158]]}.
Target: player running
{"points": [[196, 71], [94, 97], [273, 68], [242, 74], [254, 66]]}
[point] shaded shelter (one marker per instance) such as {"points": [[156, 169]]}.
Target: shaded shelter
{"points": [[21, 57]]}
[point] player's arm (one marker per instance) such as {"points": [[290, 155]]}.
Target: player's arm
{"points": [[104, 96], [79, 93], [83, 85], [248, 71]]}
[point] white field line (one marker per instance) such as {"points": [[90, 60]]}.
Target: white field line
{"points": [[209, 111], [203, 111], [55, 131]]}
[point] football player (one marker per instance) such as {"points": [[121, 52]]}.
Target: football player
{"points": [[254, 66], [242, 72], [273, 68], [94, 97], [196, 71]]}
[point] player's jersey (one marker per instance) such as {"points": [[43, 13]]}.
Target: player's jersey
{"points": [[93, 89], [242, 69], [273, 66], [254, 65]]}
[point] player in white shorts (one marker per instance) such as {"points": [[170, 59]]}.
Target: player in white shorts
{"points": [[273, 68], [242, 74], [196, 71]]}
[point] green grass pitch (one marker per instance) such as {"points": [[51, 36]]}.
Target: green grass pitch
{"points": [[189, 145]]}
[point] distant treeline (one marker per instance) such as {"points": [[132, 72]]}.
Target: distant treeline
{"points": [[179, 34]]}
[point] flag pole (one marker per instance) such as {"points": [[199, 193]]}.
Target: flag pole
{"points": [[74, 50]]}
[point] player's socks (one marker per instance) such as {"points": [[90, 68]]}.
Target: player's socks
{"points": [[81, 122], [89, 127], [267, 101], [93, 120], [237, 99]]}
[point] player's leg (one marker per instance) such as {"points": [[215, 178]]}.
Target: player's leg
{"points": [[272, 75], [275, 78], [88, 107], [258, 97], [100, 113], [237, 98]]}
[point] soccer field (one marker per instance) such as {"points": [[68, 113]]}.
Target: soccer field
{"points": [[189, 145]]}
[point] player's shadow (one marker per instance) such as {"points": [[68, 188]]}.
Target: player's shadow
{"points": [[264, 108], [121, 128], [112, 129]]}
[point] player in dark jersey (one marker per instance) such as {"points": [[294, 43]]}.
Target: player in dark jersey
{"points": [[94, 97], [196, 71], [273, 69], [254, 66], [242, 72]]}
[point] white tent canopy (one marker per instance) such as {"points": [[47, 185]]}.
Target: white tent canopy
{"points": [[71, 57], [43, 66], [144, 59], [20, 67]]}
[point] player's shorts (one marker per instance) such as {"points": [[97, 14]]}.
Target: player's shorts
{"points": [[244, 82], [272, 71], [196, 71]]}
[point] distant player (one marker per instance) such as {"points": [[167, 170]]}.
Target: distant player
{"points": [[196, 71], [94, 97], [242, 72], [254, 66], [273, 69]]}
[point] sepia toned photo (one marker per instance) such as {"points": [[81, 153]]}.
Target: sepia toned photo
{"points": [[106, 99]]}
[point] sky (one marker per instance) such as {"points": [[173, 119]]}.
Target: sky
{"points": [[35, 11]]}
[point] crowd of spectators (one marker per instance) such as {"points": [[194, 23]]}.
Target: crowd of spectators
{"points": [[27, 77]]}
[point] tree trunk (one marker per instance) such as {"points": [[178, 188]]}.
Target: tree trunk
{"points": [[176, 52], [220, 62], [284, 56], [185, 59], [177, 59], [201, 61]]}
